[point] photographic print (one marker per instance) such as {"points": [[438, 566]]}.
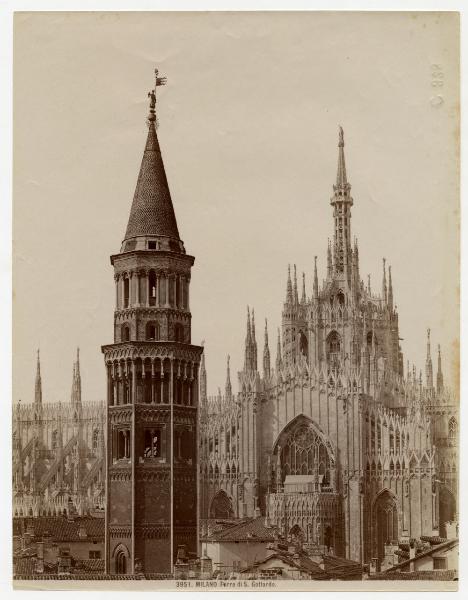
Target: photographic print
{"points": [[236, 300]]}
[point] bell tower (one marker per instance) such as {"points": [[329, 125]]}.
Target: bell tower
{"points": [[152, 383]]}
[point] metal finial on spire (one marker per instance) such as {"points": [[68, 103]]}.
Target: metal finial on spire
{"points": [[152, 95]]}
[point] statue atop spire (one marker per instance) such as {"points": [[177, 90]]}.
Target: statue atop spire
{"points": [[152, 96]]}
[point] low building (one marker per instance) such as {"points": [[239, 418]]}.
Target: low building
{"points": [[57, 545], [236, 546], [293, 562]]}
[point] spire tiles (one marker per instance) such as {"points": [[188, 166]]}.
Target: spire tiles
{"points": [[152, 212], [304, 297]]}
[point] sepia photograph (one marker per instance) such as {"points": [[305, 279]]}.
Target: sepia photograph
{"points": [[236, 301]]}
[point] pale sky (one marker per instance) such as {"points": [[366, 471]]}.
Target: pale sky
{"points": [[248, 131]]}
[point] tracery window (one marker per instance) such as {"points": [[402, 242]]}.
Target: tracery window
{"points": [[304, 453], [452, 428], [333, 348], [95, 439]]}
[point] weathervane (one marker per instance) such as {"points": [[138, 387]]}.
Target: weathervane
{"points": [[152, 96]]}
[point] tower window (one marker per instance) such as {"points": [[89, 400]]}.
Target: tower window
{"points": [[125, 333], [122, 449], [95, 439], [152, 443], [126, 292], [152, 245], [152, 288], [178, 332], [152, 331]]}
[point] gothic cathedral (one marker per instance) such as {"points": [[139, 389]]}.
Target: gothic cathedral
{"points": [[335, 444]]}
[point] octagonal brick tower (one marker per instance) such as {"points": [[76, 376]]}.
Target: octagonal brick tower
{"points": [[152, 383]]}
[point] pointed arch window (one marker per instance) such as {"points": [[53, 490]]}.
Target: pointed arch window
{"points": [[126, 292], [452, 428], [54, 442], [95, 439]]}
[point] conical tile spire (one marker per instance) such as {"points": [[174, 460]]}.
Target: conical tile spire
{"points": [[152, 212]]}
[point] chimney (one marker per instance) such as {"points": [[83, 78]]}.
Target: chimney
{"points": [[451, 528], [412, 554], [39, 566], [82, 533]]}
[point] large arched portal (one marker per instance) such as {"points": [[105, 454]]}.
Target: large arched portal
{"points": [[221, 506], [303, 451], [447, 509], [385, 523]]}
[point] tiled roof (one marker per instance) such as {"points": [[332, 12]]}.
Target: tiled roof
{"points": [[60, 528], [342, 568], [247, 531], [428, 552], [433, 539], [301, 563], [438, 575], [152, 212], [90, 565], [335, 567]]}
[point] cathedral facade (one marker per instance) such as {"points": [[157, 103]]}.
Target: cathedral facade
{"points": [[336, 443], [58, 454]]}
